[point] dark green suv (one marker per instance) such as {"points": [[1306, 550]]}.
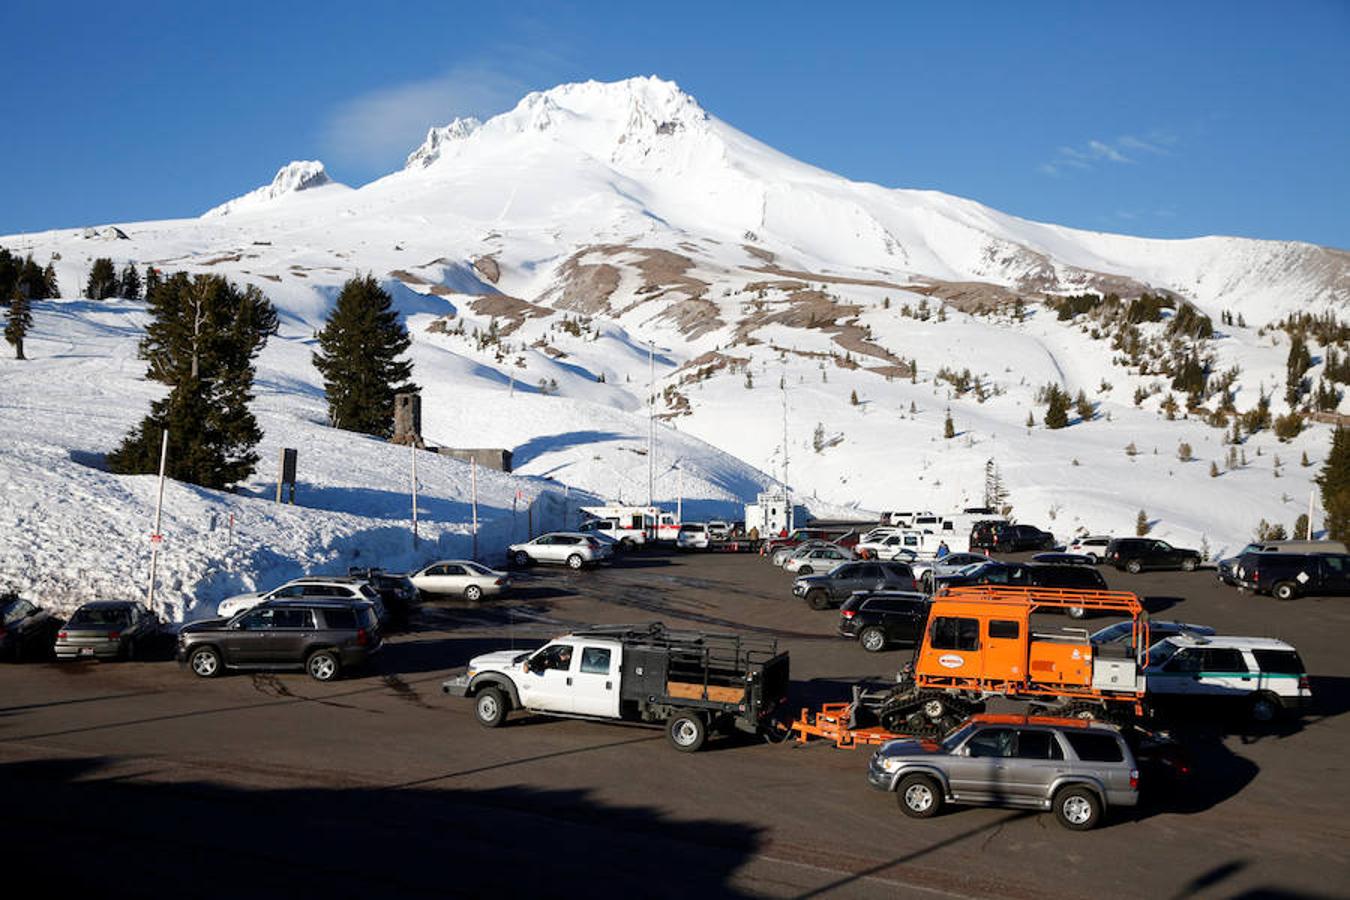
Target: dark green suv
{"points": [[319, 636]]}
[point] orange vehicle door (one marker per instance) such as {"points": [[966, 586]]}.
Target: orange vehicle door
{"points": [[1004, 649], [953, 648]]}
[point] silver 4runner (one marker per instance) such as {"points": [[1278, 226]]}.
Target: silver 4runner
{"points": [[1073, 767]]}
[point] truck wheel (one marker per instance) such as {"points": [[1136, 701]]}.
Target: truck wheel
{"points": [[805, 570], [1134, 567], [522, 559], [491, 707], [1078, 808], [1285, 590], [1264, 708], [1189, 563], [574, 561], [919, 796], [205, 662], [1076, 612], [687, 731], [323, 666], [873, 639], [473, 593], [817, 599]]}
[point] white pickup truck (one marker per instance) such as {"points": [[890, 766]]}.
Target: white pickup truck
{"points": [[691, 682]]}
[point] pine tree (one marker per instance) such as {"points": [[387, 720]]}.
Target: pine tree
{"points": [[1184, 452], [1083, 407], [358, 356], [1296, 366], [201, 342], [853, 398], [32, 280], [129, 288], [152, 281], [1057, 409], [1031, 419], [1301, 532], [18, 320], [103, 282], [949, 427], [1213, 469], [818, 438], [50, 287], [1335, 484], [1141, 525]]}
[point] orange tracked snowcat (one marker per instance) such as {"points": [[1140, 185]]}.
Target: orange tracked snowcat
{"points": [[978, 645]]}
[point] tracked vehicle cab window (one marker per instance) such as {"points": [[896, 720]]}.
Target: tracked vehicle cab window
{"points": [[951, 633]]}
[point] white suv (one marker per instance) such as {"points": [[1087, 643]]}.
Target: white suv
{"points": [[693, 536], [570, 548], [1265, 675], [311, 586], [1093, 546]]}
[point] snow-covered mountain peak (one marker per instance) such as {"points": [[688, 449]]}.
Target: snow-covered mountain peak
{"points": [[292, 178], [438, 138]]}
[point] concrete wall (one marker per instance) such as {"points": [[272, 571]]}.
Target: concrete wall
{"points": [[488, 457]]}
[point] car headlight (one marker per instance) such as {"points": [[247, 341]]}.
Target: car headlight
{"points": [[469, 673], [890, 763]]}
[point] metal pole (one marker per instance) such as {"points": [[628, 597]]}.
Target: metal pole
{"points": [[473, 482], [651, 422], [1308, 536], [156, 538], [413, 448], [281, 467], [679, 499]]}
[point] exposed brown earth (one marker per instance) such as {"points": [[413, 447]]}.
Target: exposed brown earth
{"points": [[511, 309], [488, 268], [708, 364]]}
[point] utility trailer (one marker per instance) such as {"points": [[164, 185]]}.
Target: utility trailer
{"points": [[979, 644], [693, 683]]}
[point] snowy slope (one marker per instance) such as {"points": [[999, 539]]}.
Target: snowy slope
{"points": [[594, 221]]}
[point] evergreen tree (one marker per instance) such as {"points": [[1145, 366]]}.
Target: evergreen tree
{"points": [[1141, 525], [18, 320], [853, 398], [9, 274], [1031, 419], [1057, 408], [1335, 484], [129, 287], [50, 287], [949, 427], [1083, 407], [103, 282], [1301, 528], [152, 281], [818, 438], [1213, 469], [1297, 365], [358, 356], [32, 281], [201, 342]]}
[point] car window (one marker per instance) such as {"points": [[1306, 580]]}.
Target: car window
{"points": [[952, 633], [290, 590], [1282, 662], [474, 568], [340, 619], [1184, 661], [1004, 628], [17, 610], [554, 656], [1091, 747], [452, 570], [437, 570], [258, 620], [898, 570], [544, 540], [846, 571], [1335, 563], [1224, 659], [1161, 547], [595, 660], [870, 570], [293, 618], [991, 742], [1038, 745]]}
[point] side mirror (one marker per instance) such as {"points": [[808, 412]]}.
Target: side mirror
{"points": [[525, 666]]}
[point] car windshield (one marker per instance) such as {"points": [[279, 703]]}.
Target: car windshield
{"points": [[956, 736], [973, 569], [1113, 633], [1160, 652], [14, 610], [100, 616]]}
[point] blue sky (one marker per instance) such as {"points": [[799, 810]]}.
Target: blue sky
{"points": [[1162, 119]]}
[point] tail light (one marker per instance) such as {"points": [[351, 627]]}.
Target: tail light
{"points": [[61, 636], [361, 637], [848, 613], [1303, 683], [3, 632], [1134, 779], [114, 635], [499, 582]]}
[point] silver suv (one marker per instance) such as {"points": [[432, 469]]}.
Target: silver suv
{"points": [[1073, 767]]}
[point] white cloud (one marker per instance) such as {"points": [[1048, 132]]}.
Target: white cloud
{"points": [[1095, 152], [1106, 151], [379, 128]]}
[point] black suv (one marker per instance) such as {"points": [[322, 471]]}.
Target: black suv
{"points": [[1288, 575], [1016, 538], [883, 618], [1031, 575], [982, 534], [25, 628], [1137, 554], [841, 582], [321, 637], [397, 591]]}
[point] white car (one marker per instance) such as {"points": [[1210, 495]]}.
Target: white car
{"points": [[1266, 676], [901, 545], [1093, 546], [925, 571], [312, 586], [569, 548], [818, 559], [719, 531], [693, 536], [783, 554], [461, 577]]}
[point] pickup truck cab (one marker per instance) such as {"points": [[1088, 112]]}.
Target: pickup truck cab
{"points": [[692, 682]]}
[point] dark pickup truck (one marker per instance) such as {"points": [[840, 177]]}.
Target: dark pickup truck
{"points": [[1288, 575]]}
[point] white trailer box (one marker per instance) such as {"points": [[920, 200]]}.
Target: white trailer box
{"points": [[770, 514]]}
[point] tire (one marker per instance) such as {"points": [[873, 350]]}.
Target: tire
{"points": [[919, 796], [1189, 564], [1092, 558], [626, 545], [929, 583], [873, 639], [817, 599], [473, 593], [205, 662], [323, 665], [805, 570], [1285, 590], [1076, 612], [687, 731], [490, 707], [575, 561], [522, 559], [1077, 808], [1264, 708], [1134, 567]]}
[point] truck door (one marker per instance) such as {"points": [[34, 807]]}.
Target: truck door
{"points": [[595, 685], [547, 686], [1335, 576]]}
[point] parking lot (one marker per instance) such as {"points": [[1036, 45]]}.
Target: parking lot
{"points": [[127, 778]]}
